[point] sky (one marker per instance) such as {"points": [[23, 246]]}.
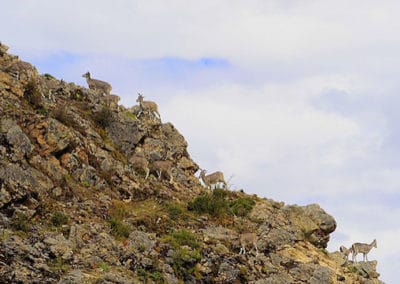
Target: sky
{"points": [[294, 100]]}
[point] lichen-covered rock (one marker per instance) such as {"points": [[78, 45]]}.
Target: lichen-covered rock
{"points": [[325, 222], [16, 138]]}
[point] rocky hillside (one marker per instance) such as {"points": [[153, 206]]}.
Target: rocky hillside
{"points": [[76, 206]]}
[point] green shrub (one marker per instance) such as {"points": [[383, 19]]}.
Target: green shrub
{"points": [[48, 76], [175, 210], [42, 111], [156, 276], [21, 222], [58, 219], [32, 94], [201, 204], [215, 204], [119, 229], [103, 117], [184, 262], [182, 238], [241, 206], [58, 265]]}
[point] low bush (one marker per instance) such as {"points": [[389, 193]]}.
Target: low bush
{"points": [[21, 222], [58, 219], [119, 229], [241, 206], [103, 117], [175, 210], [183, 238], [215, 203]]}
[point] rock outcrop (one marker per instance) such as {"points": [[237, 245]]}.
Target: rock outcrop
{"points": [[73, 209]]}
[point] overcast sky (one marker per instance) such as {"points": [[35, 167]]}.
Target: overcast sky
{"points": [[293, 100]]}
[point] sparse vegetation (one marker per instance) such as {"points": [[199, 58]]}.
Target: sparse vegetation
{"points": [[58, 265], [21, 222], [215, 203], [175, 210], [104, 266], [155, 276], [184, 262], [183, 238], [103, 117], [119, 229], [49, 76], [118, 212], [58, 219], [241, 206]]}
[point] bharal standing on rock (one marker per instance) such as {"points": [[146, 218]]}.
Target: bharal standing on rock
{"points": [[362, 248], [147, 106], [212, 179], [97, 85]]}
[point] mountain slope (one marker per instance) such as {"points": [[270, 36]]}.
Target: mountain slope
{"points": [[75, 206]]}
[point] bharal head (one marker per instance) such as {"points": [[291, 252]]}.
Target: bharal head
{"points": [[86, 75], [140, 98]]}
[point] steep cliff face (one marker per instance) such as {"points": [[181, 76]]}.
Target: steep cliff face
{"points": [[75, 207]]}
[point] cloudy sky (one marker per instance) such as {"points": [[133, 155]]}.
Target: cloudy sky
{"points": [[295, 100]]}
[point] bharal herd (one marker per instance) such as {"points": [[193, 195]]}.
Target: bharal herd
{"points": [[164, 168], [138, 160]]}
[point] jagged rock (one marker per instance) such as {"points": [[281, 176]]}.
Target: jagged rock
{"points": [[141, 242], [59, 246], [322, 275], [73, 277], [52, 136], [227, 272], [22, 182], [16, 138], [325, 222]]}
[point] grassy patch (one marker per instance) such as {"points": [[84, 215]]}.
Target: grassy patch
{"points": [[118, 212], [184, 262], [182, 238], [58, 219], [119, 229], [221, 202], [155, 276], [103, 117], [21, 223], [241, 206], [58, 265], [175, 210]]}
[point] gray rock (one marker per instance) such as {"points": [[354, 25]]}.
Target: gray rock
{"points": [[141, 241], [17, 138], [323, 275]]}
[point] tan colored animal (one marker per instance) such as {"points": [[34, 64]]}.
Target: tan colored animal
{"points": [[346, 251], [212, 179], [247, 239], [139, 162], [147, 106], [103, 87], [362, 248], [160, 167]]}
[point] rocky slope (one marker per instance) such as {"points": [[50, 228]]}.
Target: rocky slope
{"points": [[75, 208]]}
